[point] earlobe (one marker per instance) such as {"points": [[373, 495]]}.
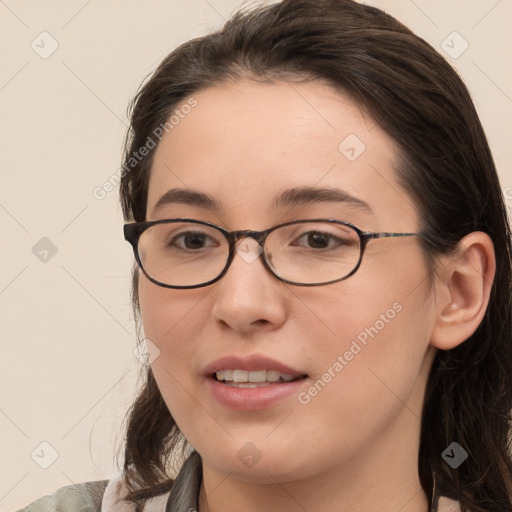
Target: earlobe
{"points": [[463, 289]]}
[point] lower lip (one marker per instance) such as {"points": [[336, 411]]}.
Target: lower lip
{"points": [[250, 399]]}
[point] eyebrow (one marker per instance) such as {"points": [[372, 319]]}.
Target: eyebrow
{"points": [[297, 196]]}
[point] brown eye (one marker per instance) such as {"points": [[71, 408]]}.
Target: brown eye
{"points": [[320, 240], [191, 240]]}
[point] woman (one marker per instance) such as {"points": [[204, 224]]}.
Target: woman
{"points": [[322, 278]]}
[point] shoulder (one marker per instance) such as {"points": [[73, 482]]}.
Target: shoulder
{"points": [[97, 496], [109, 495], [82, 497]]}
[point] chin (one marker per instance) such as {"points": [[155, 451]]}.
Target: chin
{"points": [[250, 464]]}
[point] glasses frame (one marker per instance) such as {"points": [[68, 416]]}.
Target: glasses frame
{"points": [[134, 230]]}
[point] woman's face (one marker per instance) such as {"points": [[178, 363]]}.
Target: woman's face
{"points": [[362, 343]]}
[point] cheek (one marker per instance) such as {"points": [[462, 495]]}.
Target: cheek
{"points": [[370, 365], [171, 320], [169, 315]]}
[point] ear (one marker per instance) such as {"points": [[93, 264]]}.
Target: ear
{"points": [[463, 285]]}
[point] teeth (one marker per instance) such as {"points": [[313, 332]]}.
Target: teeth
{"points": [[241, 376], [260, 376], [272, 375]]}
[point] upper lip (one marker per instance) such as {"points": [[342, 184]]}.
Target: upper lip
{"points": [[250, 363]]}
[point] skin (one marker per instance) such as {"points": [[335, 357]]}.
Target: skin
{"points": [[354, 446]]}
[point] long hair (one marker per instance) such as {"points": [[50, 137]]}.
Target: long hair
{"points": [[444, 162]]}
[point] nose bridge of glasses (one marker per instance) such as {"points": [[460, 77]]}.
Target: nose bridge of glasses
{"points": [[255, 235]]}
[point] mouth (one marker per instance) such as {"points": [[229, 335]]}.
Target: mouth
{"points": [[252, 382], [254, 379]]}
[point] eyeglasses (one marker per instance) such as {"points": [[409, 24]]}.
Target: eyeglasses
{"points": [[187, 253]]}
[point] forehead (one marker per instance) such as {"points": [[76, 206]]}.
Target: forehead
{"points": [[246, 142]]}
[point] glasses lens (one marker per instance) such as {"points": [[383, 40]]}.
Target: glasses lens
{"points": [[313, 252], [183, 253]]}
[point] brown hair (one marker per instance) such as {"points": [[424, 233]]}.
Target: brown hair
{"points": [[444, 162]]}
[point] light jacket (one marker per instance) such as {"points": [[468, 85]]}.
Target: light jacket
{"points": [[106, 495]]}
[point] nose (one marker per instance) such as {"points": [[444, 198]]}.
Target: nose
{"points": [[249, 297]]}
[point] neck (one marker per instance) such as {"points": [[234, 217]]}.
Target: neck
{"points": [[329, 496]]}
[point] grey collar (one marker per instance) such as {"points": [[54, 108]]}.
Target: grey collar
{"points": [[185, 490]]}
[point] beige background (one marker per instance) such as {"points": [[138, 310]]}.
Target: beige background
{"points": [[67, 366]]}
